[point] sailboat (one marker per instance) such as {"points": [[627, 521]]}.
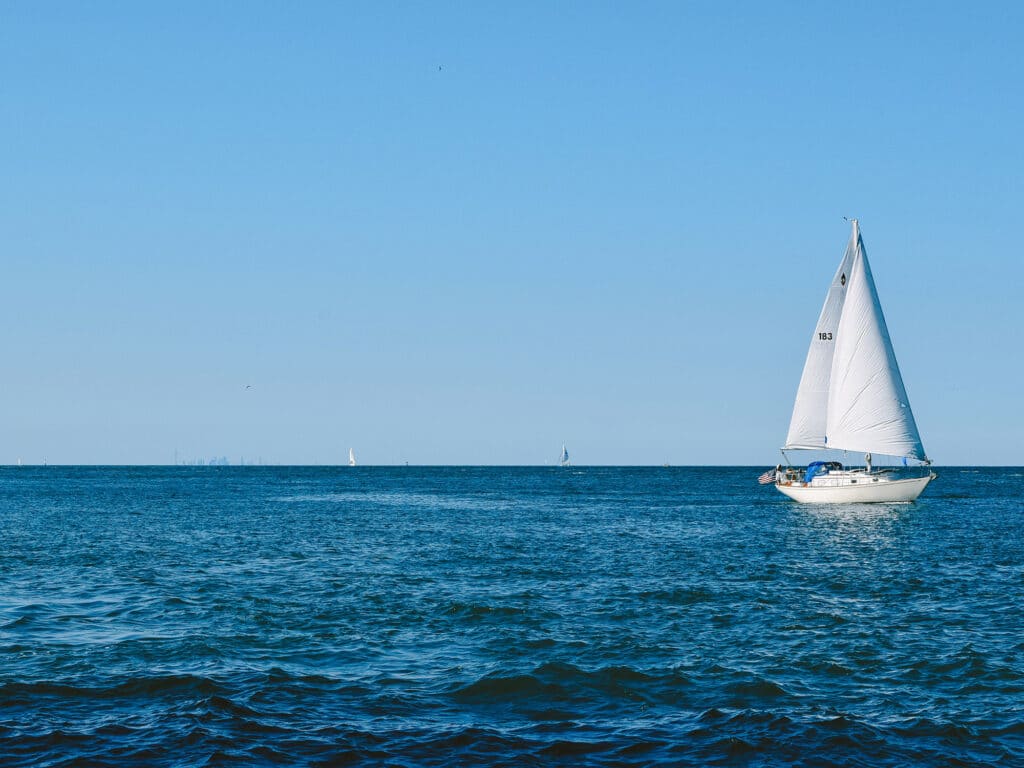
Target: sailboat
{"points": [[563, 460], [851, 398], [351, 457]]}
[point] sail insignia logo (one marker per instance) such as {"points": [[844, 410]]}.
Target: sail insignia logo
{"points": [[842, 280]]}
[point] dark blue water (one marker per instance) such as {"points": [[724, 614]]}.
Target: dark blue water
{"points": [[409, 616]]}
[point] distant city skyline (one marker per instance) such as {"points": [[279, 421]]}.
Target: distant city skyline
{"points": [[468, 234]]}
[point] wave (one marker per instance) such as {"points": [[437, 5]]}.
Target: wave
{"points": [[212, 734], [679, 595], [561, 682], [758, 688], [132, 687]]}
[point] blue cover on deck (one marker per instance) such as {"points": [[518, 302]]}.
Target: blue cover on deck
{"points": [[815, 468]]}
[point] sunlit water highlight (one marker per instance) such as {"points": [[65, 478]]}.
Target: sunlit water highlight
{"points": [[457, 616]]}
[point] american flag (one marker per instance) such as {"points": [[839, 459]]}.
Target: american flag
{"points": [[767, 477]]}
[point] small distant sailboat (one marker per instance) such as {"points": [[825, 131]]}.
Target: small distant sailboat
{"points": [[351, 457], [563, 460], [851, 398]]}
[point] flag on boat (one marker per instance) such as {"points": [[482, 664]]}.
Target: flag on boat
{"points": [[767, 477]]}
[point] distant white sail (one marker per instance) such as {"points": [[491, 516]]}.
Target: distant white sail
{"points": [[564, 458], [868, 407], [351, 457]]}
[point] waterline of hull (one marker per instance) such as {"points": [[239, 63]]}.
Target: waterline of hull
{"points": [[858, 493]]}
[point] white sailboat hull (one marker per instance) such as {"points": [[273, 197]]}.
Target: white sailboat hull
{"points": [[862, 490]]}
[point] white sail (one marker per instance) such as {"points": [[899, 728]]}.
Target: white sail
{"points": [[807, 426], [868, 409], [563, 460], [351, 457]]}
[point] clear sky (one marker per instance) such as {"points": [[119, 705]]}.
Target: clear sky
{"points": [[467, 233]]}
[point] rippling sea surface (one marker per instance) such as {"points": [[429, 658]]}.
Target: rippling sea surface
{"points": [[504, 616]]}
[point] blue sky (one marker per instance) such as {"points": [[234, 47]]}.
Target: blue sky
{"points": [[467, 233]]}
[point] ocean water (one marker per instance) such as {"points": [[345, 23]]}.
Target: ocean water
{"points": [[504, 616]]}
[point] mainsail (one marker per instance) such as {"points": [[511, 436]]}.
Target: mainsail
{"points": [[351, 457], [807, 427], [563, 460], [857, 401]]}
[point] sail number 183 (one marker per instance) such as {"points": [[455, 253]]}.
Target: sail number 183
{"points": [[825, 336]]}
